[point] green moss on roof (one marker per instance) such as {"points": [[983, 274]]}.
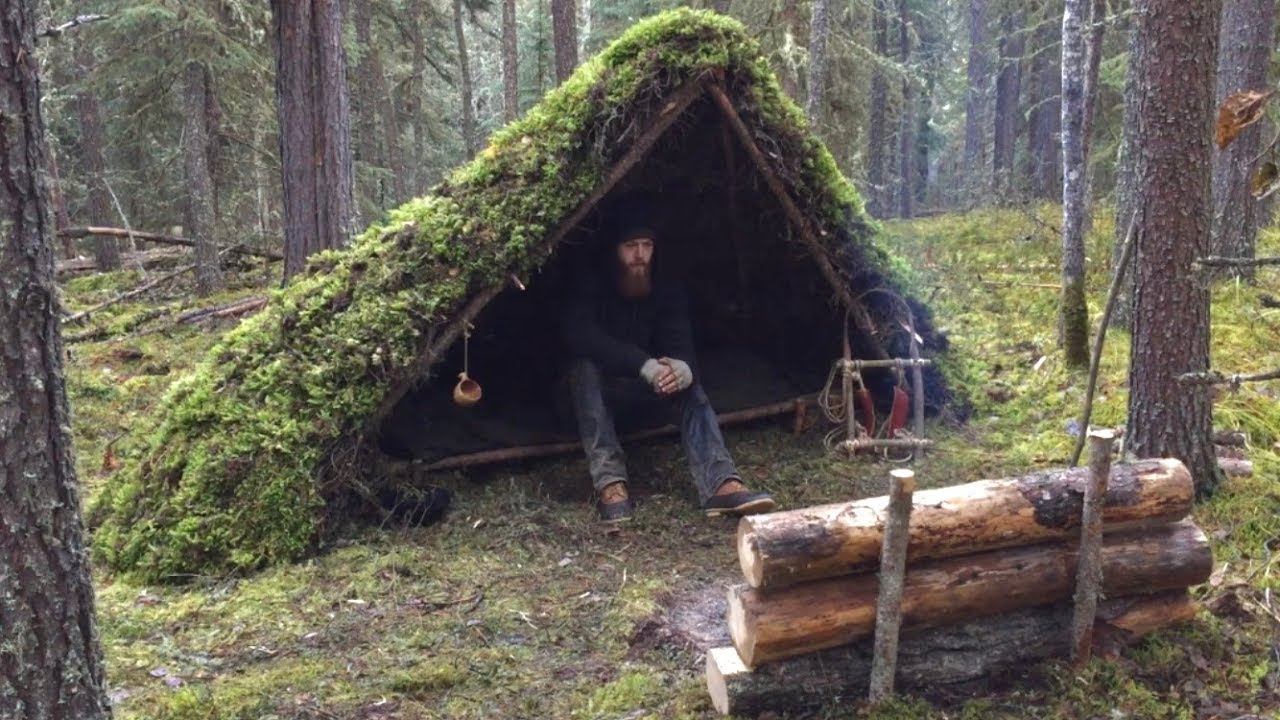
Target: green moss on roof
{"points": [[246, 452]]}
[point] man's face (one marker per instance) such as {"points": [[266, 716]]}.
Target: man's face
{"points": [[635, 256]]}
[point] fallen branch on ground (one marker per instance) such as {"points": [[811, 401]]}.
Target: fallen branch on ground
{"points": [[144, 258], [125, 296], [239, 307], [132, 325], [81, 232], [1218, 261], [1213, 377]]}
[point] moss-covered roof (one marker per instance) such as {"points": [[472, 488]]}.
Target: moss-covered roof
{"points": [[245, 453]]}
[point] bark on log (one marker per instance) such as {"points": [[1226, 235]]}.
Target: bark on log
{"points": [[772, 625], [795, 546], [934, 657]]}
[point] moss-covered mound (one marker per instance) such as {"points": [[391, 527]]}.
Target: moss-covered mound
{"points": [[248, 452]]}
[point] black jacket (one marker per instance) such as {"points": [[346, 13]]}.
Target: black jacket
{"points": [[621, 333]]}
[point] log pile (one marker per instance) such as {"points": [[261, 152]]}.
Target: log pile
{"points": [[990, 574]]}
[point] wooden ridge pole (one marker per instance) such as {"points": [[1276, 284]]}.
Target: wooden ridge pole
{"points": [[893, 566]]}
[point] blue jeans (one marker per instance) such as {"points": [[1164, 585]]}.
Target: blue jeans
{"points": [[593, 394]]}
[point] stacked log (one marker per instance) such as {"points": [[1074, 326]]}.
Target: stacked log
{"points": [[990, 575]]}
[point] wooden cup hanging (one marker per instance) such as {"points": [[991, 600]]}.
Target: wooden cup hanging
{"points": [[467, 392]]}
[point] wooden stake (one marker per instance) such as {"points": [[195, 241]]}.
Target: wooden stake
{"points": [[1089, 572], [893, 566]]}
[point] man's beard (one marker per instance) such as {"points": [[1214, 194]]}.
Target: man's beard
{"points": [[634, 281]]}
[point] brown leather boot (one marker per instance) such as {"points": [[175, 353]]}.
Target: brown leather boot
{"points": [[613, 503]]}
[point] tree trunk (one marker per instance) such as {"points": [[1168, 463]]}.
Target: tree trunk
{"points": [[794, 546], [789, 20], [1170, 334], [315, 122], [933, 657], [51, 667], [198, 214], [377, 133], [469, 139], [565, 37], [1097, 31], [1126, 190], [415, 88], [767, 626], [877, 192], [1046, 109], [1243, 58], [1008, 90], [907, 126], [817, 61], [61, 218], [93, 166], [510, 62], [975, 105], [1074, 308]]}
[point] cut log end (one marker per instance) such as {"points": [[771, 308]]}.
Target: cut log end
{"points": [[741, 630], [723, 666], [749, 554]]}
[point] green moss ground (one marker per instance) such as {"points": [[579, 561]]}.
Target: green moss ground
{"points": [[520, 606]]}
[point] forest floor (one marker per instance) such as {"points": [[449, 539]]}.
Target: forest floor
{"points": [[520, 605]]}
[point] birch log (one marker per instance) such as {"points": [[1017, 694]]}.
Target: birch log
{"points": [[771, 625], [795, 546]]}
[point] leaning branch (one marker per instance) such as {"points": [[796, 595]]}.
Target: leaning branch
{"points": [[75, 22], [1213, 377], [80, 232], [1218, 261]]}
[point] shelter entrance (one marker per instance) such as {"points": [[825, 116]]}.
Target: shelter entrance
{"points": [[767, 324]]}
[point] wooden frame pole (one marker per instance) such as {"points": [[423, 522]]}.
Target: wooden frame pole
{"points": [[893, 568], [1089, 572]]}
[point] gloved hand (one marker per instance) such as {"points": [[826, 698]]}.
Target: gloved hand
{"points": [[682, 372], [651, 371]]}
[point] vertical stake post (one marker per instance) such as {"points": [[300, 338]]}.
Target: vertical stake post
{"points": [[893, 566], [1089, 570]]}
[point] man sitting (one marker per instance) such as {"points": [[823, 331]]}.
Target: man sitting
{"points": [[628, 330]]}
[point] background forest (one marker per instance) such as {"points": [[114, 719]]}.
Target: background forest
{"points": [[963, 95]]}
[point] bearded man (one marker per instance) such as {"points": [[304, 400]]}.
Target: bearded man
{"points": [[628, 333]]}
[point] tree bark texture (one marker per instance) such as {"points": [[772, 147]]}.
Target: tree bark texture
{"points": [[510, 62], [933, 657], [414, 90], [198, 213], [564, 30], [1244, 55], [315, 128], [1126, 190], [1008, 91], [93, 166], [61, 218], [818, 25], [1170, 333], [1096, 32], [469, 139], [975, 104], [794, 546], [907, 123], [1045, 118], [877, 134], [51, 663], [1074, 309], [772, 625], [377, 131]]}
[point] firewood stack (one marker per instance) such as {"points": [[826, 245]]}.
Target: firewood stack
{"points": [[991, 569]]}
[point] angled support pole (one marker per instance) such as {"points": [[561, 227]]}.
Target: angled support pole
{"points": [[861, 319]]}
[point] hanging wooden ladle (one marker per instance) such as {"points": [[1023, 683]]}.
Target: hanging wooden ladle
{"points": [[467, 392]]}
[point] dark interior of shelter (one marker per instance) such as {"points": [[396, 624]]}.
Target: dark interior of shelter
{"points": [[766, 324]]}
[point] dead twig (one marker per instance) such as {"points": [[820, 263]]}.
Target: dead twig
{"points": [[1213, 377]]}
